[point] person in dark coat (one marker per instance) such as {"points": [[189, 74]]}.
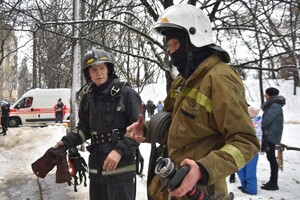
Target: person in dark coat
{"points": [[5, 111], [107, 107], [150, 108], [272, 127]]}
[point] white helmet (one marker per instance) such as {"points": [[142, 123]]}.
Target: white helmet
{"points": [[189, 18]]}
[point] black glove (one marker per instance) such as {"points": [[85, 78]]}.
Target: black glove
{"points": [[264, 143], [139, 161], [78, 166]]}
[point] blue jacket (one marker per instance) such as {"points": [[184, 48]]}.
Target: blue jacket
{"points": [[159, 107], [272, 119]]}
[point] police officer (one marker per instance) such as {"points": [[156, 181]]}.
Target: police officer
{"points": [[106, 109], [5, 110], [210, 131]]}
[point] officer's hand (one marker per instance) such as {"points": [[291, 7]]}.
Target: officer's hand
{"points": [[189, 181], [135, 130], [58, 144], [111, 161]]}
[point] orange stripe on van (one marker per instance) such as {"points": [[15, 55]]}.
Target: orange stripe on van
{"points": [[34, 110]]}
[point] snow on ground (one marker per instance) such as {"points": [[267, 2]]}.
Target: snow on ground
{"points": [[23, 145]]}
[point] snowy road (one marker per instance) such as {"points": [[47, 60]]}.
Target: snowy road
{"points": [[21, 147]]}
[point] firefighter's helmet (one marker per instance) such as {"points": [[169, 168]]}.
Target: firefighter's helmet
{"points": [[189, 18], [194, 22], [96, 56]]}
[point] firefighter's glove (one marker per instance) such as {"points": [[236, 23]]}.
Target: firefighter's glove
{"points": [[63, 174], [78, 166], [47, 162], [42, 166]]}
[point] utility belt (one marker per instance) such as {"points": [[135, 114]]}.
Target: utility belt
{"points": [[110, 137], [113, 137]]}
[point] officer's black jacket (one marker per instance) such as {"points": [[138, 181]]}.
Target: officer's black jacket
{"points": [[98, 113]]}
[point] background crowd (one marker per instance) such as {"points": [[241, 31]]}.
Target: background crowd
{"points": [[150, 108]]}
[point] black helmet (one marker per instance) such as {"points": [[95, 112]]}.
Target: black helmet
{"points": [[97, 56]]}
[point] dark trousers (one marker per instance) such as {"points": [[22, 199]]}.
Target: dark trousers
{"points": [[4, 123], [58, 118], [113, 190], [273, 162]]}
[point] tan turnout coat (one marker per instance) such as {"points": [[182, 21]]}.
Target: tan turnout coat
{"points": [[210, 124]]}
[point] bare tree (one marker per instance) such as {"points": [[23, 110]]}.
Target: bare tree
{"points": [[8, 61], [261, 35], [53, 49], [258, 29], [24, 78]]}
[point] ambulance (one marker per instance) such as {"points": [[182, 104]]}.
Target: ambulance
{"points": [[36, 107]]}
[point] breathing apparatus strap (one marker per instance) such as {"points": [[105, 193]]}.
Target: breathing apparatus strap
{"points": [[85, 89]]}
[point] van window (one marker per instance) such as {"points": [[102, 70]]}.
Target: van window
{"points": [[25, 103], [28, 102]]}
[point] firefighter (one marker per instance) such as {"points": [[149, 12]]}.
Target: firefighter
{"points": [[107, 107], [211, 131]]}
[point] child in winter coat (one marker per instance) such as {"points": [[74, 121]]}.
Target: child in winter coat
{"points": [[159, 106], [247, 174]]}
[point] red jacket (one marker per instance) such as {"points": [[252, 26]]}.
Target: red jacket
{"points": [[60, 109]]}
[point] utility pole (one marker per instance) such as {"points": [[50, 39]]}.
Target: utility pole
{"points": [[76, 65], [34, 69]]}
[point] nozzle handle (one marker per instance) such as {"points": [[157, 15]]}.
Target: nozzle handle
{"points": [[178, 177]]}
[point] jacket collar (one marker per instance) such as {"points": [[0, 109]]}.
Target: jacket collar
{"points": [[204, 67], [275, 99]]}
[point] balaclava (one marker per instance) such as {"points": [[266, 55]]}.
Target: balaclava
{"points": [[179, 57], [187, 58]]}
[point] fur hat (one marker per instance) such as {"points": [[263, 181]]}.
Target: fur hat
{"points": [[253, 111], [272, 92]]}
